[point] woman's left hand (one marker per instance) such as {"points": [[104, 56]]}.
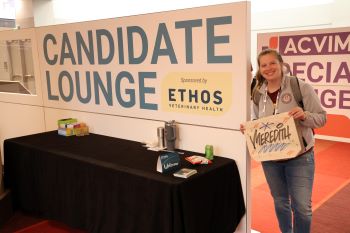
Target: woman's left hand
{"points": [[297, 113]]}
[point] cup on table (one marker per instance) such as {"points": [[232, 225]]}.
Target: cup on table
{"points": [[209, 152]]}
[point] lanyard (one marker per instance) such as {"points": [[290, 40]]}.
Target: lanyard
{"points": [[275, 112]]}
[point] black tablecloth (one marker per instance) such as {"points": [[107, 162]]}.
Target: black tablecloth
{"points": [[109, 185]]}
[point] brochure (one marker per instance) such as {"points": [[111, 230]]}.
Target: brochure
{"points": [[185, 172]]}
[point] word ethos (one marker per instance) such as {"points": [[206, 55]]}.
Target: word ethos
{"points": [[126, 47]]}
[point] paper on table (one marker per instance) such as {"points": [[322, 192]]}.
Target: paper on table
{"points": [[185, 172]]}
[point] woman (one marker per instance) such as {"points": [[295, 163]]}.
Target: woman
{"points": [[290, 181]]}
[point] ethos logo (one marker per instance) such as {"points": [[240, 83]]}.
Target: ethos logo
{"points": [[204, 93]]}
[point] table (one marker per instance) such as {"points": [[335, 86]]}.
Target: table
{"points": [[104, 184]]}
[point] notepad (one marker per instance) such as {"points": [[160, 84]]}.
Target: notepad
{"points": [[185, 172]]}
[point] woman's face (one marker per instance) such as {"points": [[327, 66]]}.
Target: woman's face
{"points": [[270, 67]]}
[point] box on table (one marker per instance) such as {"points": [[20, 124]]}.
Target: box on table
{"points": [[66, 131], [63, 123]]}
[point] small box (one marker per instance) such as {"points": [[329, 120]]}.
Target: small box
{"points": [[66, 131], [63, 123]]}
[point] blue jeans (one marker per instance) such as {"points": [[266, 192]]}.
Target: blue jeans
{"points": [[290, 184]]}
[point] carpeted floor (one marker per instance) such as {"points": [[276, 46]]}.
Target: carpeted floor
{"points": [[331, 189], [19, 221], [332, 216], [48, 227], [24, 223]]}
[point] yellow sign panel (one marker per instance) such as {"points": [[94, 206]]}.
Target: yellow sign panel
{"points": [[203, 93]]}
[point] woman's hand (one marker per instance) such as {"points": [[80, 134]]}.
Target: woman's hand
{"points": [[242, 128], [297, 113]]}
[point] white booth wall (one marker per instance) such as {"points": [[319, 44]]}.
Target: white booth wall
{"points": [[266, 16], [24, 115], [23, 118]]}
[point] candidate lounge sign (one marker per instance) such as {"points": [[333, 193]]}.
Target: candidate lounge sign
{"points": [[272, 138], [184, 65]]}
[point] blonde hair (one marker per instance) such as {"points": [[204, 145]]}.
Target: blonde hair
{"points": [[259, 78]]}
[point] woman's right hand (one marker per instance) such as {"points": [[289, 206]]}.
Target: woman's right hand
{"points": [[242, 128]]}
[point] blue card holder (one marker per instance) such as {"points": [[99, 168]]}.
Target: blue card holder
{"points": [[168, 162]]}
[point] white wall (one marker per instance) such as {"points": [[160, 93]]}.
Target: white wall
{"points": [[21, 114], [264, 18], [229, 143], [20, 119], [24, 14], [328, 15]]}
